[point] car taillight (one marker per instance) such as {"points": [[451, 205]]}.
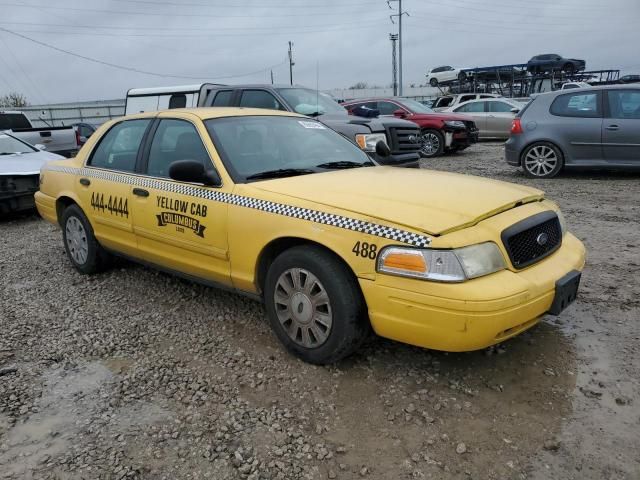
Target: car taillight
{"points": [[516, 126], [78, 138]]}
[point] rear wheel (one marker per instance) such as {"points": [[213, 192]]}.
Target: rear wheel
{"points": [[81, 245], [432, 144], [542, 160], [569, 68], [433, 82], [315, 305]]}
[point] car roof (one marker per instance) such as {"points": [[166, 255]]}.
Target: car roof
{"points": [[206, 113], [593, 88]]}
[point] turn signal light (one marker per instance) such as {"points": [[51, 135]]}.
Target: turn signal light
{"points": [[413, 262]]}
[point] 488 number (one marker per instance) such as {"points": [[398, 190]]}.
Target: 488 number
{"points": [[366, 250]]}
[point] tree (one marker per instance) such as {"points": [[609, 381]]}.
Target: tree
{"points": [[13, 99], [359, 86]]}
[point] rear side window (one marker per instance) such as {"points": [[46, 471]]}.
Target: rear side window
{"points": [[474, 107], [624, 104], [585, 105], [222, 99], [499, 107], [175, 140], [259, 99], [13, 120], [466, 98], [119, 147], [387, 108], [178, 101]]}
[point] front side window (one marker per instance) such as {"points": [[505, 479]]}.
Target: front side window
{"points": [[414, 106], [252, 145], [259, 99], [119, 147], [310, 102], [387, 108], [472, 107], [586, 105], [624, 104], [175, 140]]}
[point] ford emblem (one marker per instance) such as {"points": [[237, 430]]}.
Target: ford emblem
{"points": [[542, 239]]}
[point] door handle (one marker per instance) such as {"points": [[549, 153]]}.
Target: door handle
{"points": [[140, 192], [85, 181], [612, 127]]}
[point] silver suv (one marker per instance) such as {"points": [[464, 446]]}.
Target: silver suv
{"points": [[596, 127]]}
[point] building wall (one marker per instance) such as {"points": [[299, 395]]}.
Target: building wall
{"points": [[64, 114]]}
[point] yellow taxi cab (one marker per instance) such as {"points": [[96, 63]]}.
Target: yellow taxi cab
{"points": [[283, 209]]}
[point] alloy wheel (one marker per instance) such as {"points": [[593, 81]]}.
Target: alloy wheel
{"points": [[303, 307], [430, 144], [541, 160]]}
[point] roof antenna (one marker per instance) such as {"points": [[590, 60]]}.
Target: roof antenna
{"points": [[317, 83]]}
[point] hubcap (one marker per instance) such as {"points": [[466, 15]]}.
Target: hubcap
{"points": [[540, 160], [430, 144], [77, 240], [303, 307]]}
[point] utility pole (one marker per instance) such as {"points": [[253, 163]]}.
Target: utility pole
{"points": [[399, 15], [271, 77], [394, 65], [291, 63]]}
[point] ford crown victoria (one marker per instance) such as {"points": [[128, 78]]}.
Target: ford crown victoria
{"points": [[283, 209]]}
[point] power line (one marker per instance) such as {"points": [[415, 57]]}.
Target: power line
{"points": [[227, 5], [135, 70], [36, 89], [157, 14]]}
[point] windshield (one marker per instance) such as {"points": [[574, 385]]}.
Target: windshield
{"points": [[310, 102], [253, 145], [10, 145], [414, 106]]}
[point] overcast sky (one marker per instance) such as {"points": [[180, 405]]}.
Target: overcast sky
{"points": [[237, 41]]}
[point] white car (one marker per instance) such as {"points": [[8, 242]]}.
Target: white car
{"points": [[444, 74], [20, 165]]}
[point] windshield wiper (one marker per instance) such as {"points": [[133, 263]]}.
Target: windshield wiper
{"points": [[8, 153], [314, 114], [344, 164], [281, 172]]}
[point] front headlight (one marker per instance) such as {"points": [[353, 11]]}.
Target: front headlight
{"points": [[454, 124], [368, 141], [455, 265]]}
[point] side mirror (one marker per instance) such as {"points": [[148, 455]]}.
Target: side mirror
{"points": [[514, 110], [400, 113], [382, 149], [194, 172], [40, 146]]}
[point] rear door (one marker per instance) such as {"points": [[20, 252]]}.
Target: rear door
{"points": [[476, 110], [106, 182], [499, 118], [621, 127], [576, 123]]}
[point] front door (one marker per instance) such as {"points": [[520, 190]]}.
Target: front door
{"points": [[621, 127], [180, 225], [106, 181]]}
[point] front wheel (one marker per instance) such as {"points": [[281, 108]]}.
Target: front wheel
{"points": [[433, 82], [315, 305], [432, 144], [82, 248], [542, 160]]}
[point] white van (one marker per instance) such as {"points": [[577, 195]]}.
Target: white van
{"points": [[141, 100]]}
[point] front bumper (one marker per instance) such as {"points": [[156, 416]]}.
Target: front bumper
{"points": [[16, 192], [471, 315], [459, 138]]}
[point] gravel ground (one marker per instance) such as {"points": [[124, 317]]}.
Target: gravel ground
{"points": [[136, 374]]}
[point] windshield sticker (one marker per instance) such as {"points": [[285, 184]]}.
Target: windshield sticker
{"points": [[317, 125]]}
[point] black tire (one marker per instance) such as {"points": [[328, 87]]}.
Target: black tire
{"points": [[569, 68], [97, 258], [539, 150], [462, 77], [346, 306], [433, 82], [432, 144]]}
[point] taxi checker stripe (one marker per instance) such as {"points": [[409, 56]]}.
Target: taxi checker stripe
{"points": [[255, 203]]}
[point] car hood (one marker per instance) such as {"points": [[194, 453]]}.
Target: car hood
{"points": [[25, 163], [444, 116], [429, 201]]}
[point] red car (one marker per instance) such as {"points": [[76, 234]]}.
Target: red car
{"points": [[441, 132]]}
